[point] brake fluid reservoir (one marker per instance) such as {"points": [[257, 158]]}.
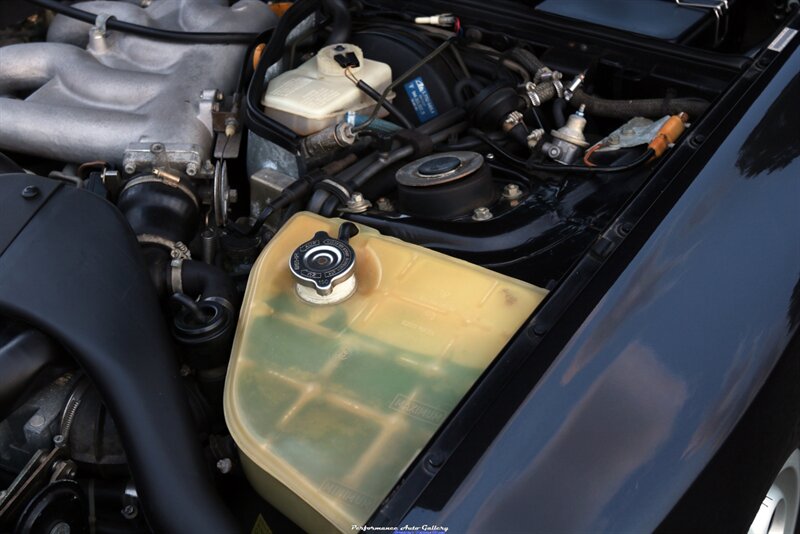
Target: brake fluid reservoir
{"points": [[318, 93], [352, 349]]}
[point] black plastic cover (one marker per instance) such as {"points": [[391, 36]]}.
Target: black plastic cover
{"points": [[661, 19], [71, 267]]}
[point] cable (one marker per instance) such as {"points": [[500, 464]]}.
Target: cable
{"points": [[587, 157], [255, 118], [561, 168], [403, 77], [146, 31], [388, 106]]}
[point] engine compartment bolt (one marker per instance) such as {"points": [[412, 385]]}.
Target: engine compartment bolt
{"points": [[191, 168], [129, 512], [512, 192], [58, 440], [30, 192], [384, 204], [129, 168], [224, 466], [482, 214], [357, 203]]}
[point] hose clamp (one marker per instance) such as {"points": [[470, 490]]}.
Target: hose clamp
{"points": [[175, 272], [177, 249]]}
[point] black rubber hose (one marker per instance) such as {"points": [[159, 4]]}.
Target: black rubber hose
{"points": [[146, 31], [619, 109], [329, 202], [527, 59], [341, 24], [559, 112], [197, 278], [204, 280], [627, 109], [255, 118], [388, 106], [399, 154], [323, 202]]}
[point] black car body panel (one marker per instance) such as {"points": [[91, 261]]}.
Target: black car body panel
{"points": [[656, 378]]}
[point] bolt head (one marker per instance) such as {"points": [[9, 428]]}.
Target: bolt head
{"points": [[512, 191], [384, 204], [36, 421], [490, 156], [30, 192], [224, 466], [191, 169], [130, 168], [156, 148], [481, 214], [129, 512]]}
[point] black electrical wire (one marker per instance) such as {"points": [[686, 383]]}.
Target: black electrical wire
{"points": [[560, 168], [388, 106], [255, 118], [146, 31], [402, 78]]}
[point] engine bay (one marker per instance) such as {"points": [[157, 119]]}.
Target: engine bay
{"points": [[343, 212]]}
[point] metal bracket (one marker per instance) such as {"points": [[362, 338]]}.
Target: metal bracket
{"points": [[720, 9], [100, 22]]}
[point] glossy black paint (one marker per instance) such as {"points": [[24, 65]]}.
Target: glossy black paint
{"points": [[644, 394]]}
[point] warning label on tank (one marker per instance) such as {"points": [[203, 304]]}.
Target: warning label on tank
{"points": [[421, 99]]}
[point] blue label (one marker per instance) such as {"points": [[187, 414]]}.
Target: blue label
{"points": [[420, 99]]}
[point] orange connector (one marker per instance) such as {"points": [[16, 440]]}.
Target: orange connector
{"points": [[279, 8], [668, 134]]}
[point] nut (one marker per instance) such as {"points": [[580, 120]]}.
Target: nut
{"points": [[224, 466], [512, 192], [482, 214]]}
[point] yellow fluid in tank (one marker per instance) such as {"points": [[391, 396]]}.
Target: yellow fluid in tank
{"points": [[330, 403]]}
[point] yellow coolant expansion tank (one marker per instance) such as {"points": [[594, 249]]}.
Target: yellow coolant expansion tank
{"points": [[342, 371]]}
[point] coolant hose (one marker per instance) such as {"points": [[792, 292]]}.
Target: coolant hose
{"points": [[206, 281], [191, 277], [627, 109], [340, 23]]}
